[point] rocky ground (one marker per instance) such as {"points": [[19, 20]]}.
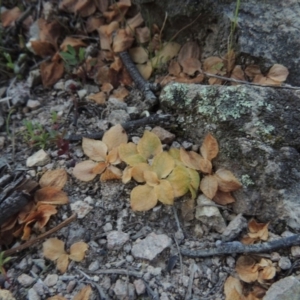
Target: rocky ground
{"points": [[137, 255]]}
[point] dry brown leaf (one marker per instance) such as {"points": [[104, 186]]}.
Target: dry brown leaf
{"points": [[49, 31], [233, 289], [111, 173], [120, 93], [258, 230], [103, 75], [142, 35], [102, 5], [166, 53], [84, 170], [143, 198], [252, 70], [62, 263], [278, 73], [133, 23], [215, 81], [73, 42], [41, 48], [149, 145], [77, 251], [51, 72], [57, 297], [247, 268], [164, 192], [93, 23], [50, 195], [56, 178], [84, 293], [227, 182], [265, 80], [198, 79], [223, 198], [210, 148], [237, 74], [145, 70], [190, 159], [105, 35], [189, 50], [138, 172], [114, 137], [174, 68], [209, 186], [85, 8], [99, 98], [53, 248], [213, 65], [9, 16], [95, 150], [180, 180], [188, 210], [191, 65], [107, 88], [139, 55], [122, 41], [229, 60]]}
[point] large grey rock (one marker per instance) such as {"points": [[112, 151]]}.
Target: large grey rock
{"points": [[287, 288], [267, 31], [258, 130]]}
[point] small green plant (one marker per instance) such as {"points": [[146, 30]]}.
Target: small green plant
{"points": [[3, 261], [233, 25], [9, 63], [72, 58]]}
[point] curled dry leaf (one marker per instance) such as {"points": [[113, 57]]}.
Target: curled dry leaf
{"points": [[142, 35], [145, 70], [233, 289], [247, 268], [237, 74], [209, 186], [174, 68], [51, 72], [278, 73], [258, 230], [122, 41], [50, 195], [9, 16], [229, 60], [227, 182], [84, 293], [73, 42], [189, 50], [111, 173], [252, 70], [209, 148], [56, 178], [191, 65], [223, 198], [99, 98], [213, 64], [54, 249], [133, 23]]}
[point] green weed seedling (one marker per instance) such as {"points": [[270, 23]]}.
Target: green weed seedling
{"points": [[71, 58], [3, 261]]}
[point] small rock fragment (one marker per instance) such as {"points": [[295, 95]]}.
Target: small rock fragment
{"points": [[33, 104], [234, 228], [107, 227], [39, 158], [287, 288], [165, 136], [25, 280], [6, 295], [51, 280], [140, 287], [116, 239], [81, 208], [34, 78], [94, 265], [295, 251], [118, 116], [33, 295], [123, 290], [284, 263], [209, 214], [151, 246]]}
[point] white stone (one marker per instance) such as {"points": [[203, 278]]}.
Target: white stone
{"points": [[81, 208], [151, 246], [33, 295], [33, 104], [116, 239], [39, 158], [51, 280], [140, 287], [25, 280]]}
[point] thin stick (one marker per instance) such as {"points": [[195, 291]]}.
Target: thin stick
{"points": [[251, 83], [237, 247], [188, 294], [39, 238], [116, 271]]}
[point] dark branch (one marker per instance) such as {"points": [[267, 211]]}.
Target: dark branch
{"points": [[145, 87], [237, 247]]}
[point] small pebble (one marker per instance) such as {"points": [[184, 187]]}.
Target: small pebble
{"points": [[284, 263], [25, 280]]}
